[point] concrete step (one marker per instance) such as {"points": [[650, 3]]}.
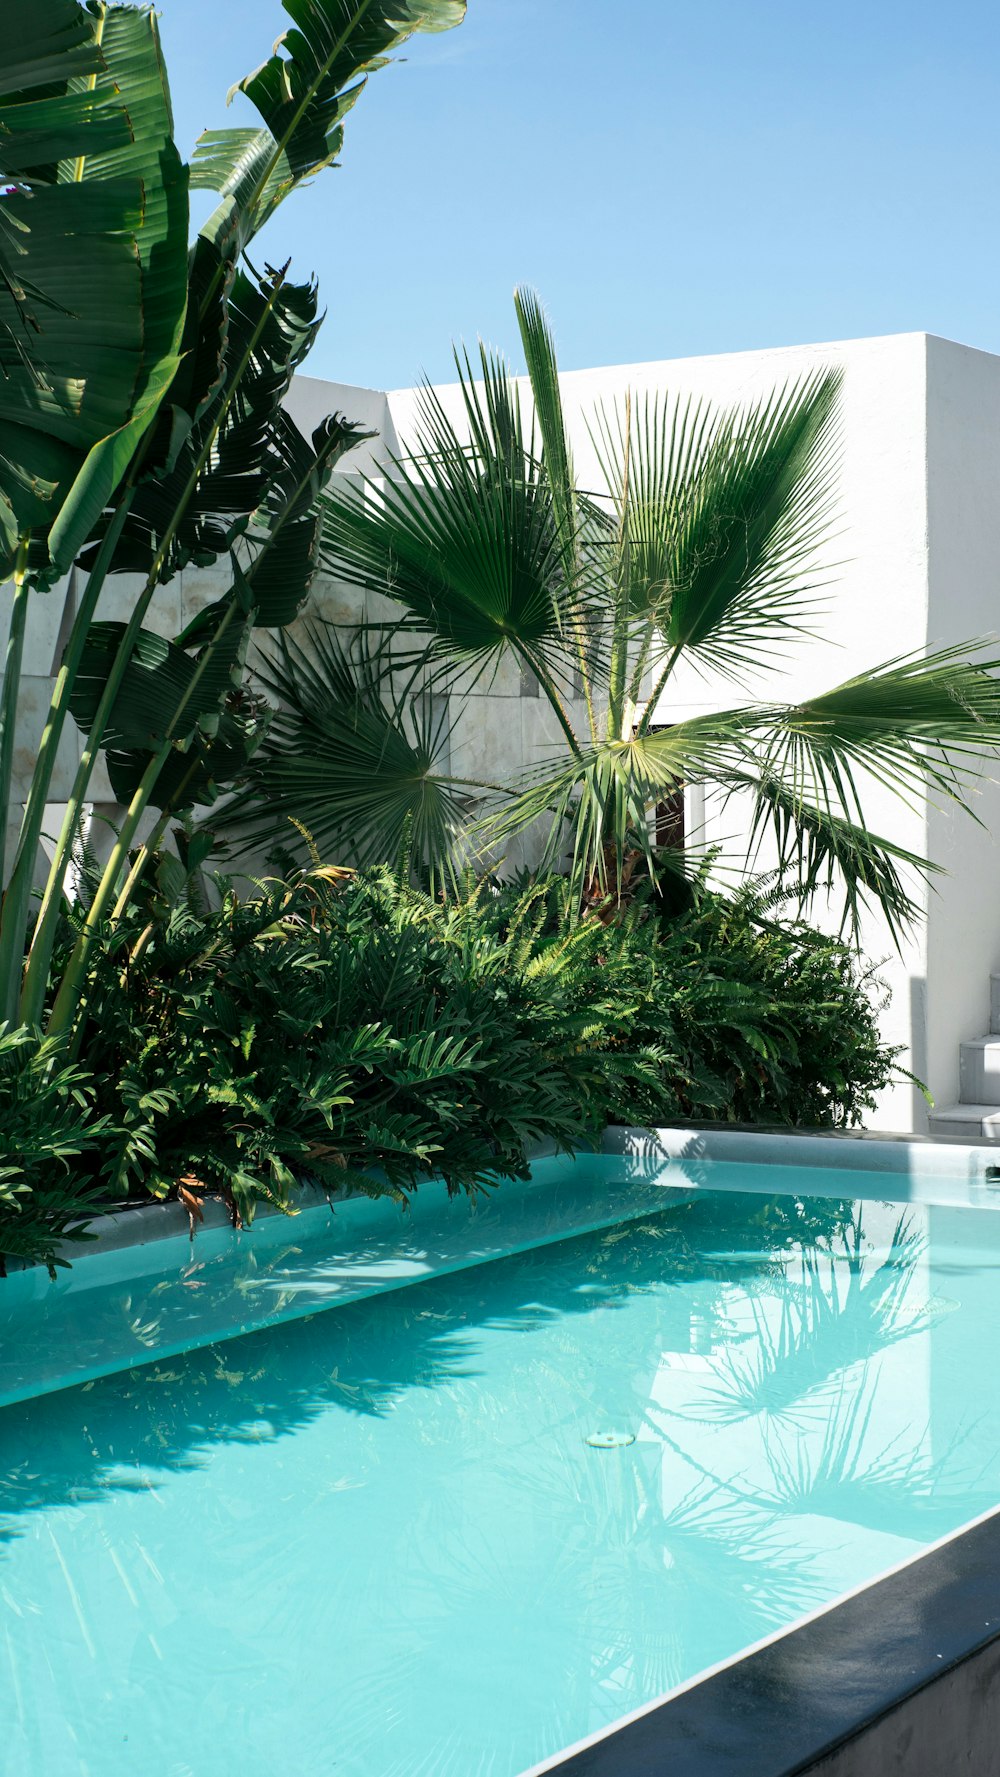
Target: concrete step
{"points": [[995, 1004], [979, 1071], [966, 1122]]}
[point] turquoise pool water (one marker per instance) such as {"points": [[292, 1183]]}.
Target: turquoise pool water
{"points": [[447, 1530]]}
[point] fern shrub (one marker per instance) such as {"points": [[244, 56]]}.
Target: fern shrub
{"points": [[50, 1146], [364, 1033]]}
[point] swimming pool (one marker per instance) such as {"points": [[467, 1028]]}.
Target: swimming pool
{"points": [[446, 1530]]}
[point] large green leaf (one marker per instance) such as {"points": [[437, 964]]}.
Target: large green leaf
{"points": [[191, 708], [88, 343], [243, 461], [211, 758], [302, 93], [164, 693], [285, 530], [281, 543], [44, 48], [43, 45], [254, 169]]}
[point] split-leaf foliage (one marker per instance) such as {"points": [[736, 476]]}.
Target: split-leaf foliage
{"points": [[370, 1035]]}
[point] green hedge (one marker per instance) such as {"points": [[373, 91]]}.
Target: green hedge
{"points": [[364, 1032]]}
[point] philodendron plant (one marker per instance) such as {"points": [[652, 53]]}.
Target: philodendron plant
{"points": [[141, 416]]}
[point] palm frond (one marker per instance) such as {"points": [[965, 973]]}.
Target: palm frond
{"points": [[649, 458], [464, 535], [350, 757], [303, 92], [820, 852], [543, 375], [602, 796], [916, 722], [724, 516]]}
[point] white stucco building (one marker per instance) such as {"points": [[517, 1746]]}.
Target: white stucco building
{"points": [[918, 566]]}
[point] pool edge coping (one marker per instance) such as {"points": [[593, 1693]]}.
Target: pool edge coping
{"points": [[859, 1150], [747, 1717]]}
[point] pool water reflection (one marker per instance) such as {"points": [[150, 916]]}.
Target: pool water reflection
{"points": [[447, 1530]]}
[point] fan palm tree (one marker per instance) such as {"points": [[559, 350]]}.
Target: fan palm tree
{"points": [[703, 546]]}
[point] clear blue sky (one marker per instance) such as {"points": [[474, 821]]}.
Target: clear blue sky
{"points": [[674, 178]]}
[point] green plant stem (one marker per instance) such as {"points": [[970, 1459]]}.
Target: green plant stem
{"points": [[617, 678], [16, 909], [151, 844], [579, 634], [45, 929], [588, 696], [69, 988], [660, 687], [142, 858], [641, 663], [67, 997], [8, 697]]}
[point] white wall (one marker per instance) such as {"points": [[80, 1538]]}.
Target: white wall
{"points": [[311, 400], [963, 483]]}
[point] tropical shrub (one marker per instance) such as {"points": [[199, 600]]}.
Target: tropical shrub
{"points": [[361, 1032], [775, 1024], [365, 1033], [49, 1130]]}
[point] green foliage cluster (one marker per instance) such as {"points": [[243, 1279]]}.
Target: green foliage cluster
{"points": [[359, 1030], [773, 1023], [49, 1129], [702, 550]]}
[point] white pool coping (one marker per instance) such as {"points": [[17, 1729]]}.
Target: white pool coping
{"points": [[936, 1169], [859, 1150], [149, 1286]]}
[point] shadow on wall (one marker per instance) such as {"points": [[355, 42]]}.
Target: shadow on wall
{"points": [[918, 1051]]}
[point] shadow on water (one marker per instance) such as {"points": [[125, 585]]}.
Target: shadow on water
{"points": [[362, 1356], [844, 1310], [809, 1377]]}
